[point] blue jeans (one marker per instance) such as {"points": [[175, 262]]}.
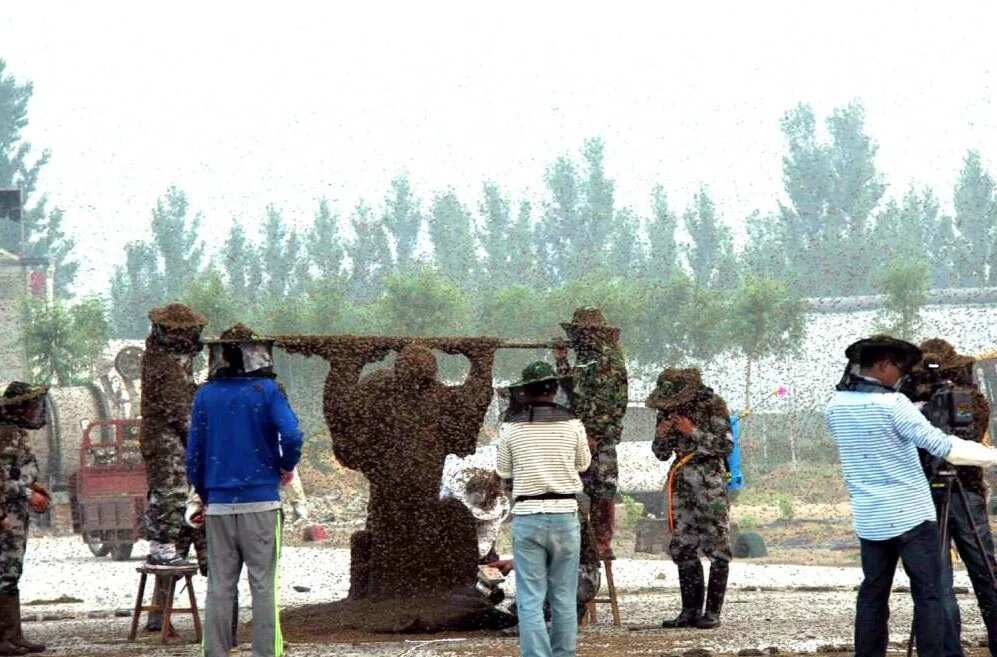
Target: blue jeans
{"points": [[545, 548], [918, 550]]}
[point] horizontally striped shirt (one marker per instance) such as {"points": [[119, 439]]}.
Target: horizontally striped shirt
{"points": [[543, 457], [878, 435]]}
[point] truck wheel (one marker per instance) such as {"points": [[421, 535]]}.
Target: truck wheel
{"points": [[97, 545], [122, 552]]}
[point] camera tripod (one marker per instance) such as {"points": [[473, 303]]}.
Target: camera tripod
{"points": [[945, 480]]}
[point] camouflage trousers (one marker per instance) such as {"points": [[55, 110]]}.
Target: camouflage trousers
{"points": [[167, 477], [701, 527], [12, 545], [600, 480]]}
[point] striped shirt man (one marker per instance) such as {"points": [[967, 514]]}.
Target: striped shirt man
{"points": [[877, 436], [543, 456]]}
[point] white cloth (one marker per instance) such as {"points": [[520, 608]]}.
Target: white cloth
{"points": [[489, 520]]}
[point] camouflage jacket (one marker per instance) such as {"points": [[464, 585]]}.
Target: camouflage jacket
{"points": [[710, 445], [598, 391], [19, 469]]}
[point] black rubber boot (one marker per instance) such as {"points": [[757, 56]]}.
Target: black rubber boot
{"points": [[691, 587], [719, 570], [19, 639], [8, 627]]}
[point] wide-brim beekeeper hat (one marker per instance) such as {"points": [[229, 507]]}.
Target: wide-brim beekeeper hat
{"points": [[675, 388], [590, 320], [908, 354], [256, 350], [537, 372], [177, 316]]}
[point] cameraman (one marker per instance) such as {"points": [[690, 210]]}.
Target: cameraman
{"points": [[953, 403], [878, 431]]}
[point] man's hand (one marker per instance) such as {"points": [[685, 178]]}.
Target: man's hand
{"points": [[286, 477], [6, 523], [561, 351], [38, 502], [504, 566], [684, 425]]}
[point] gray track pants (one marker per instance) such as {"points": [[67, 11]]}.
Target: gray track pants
{"points": [[253, 539]]}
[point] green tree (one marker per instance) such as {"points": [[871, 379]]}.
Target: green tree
{"points": [[221, 307], [905, 284], [764, 320], [423, 302], [597, 215], [765, 251], [136, 287], [280, 255], [832, 190], [711, 251], [324, 244], [625, 256], [40, 232], [525, 249], [495, 236], [976, 218], [370, 256], [662, 260], [177, 242], [451, 230], [403, 220], [64, 342], [560, 221], [943, 254], [240, 260]]}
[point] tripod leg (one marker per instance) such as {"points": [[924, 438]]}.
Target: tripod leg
{"points": [[988, 556], [943, 543]]}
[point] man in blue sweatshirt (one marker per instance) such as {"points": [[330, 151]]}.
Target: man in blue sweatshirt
{"points": [[244, 443]]}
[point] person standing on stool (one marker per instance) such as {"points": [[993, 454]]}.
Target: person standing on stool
{"points": [[244, 442], [597, 392], [693, 426], [542, 448], [22, 407]]}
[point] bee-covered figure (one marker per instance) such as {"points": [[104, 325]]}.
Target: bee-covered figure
{"points": [[693, 426]]}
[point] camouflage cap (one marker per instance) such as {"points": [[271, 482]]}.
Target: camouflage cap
{"points": [[908, 353], [674, 389], [536, 372], [18, 392], [590, 319], [177, 315]]}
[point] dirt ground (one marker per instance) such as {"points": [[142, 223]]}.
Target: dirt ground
{"points": [[755, 622]]}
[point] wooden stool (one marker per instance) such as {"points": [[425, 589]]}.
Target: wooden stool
{"points": [[590, 612], [172, 575]]}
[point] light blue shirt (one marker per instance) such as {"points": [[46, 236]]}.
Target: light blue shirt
{"points": [[877, 436]]}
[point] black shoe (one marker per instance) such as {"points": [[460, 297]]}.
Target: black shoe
{"points": [[154, 623], [708, 621], [687, 618], [175, 561]]}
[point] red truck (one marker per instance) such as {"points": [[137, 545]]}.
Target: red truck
{"points": [[108, 492]]}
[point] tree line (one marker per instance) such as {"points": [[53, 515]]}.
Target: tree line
{"points": [[432, 262]]}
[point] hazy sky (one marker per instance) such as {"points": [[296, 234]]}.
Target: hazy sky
{"points": [[243, 104]]}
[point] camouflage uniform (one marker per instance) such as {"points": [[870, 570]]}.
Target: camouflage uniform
{"points": [[597, 392], [697, 489], [20, 471], [167, 395]]}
